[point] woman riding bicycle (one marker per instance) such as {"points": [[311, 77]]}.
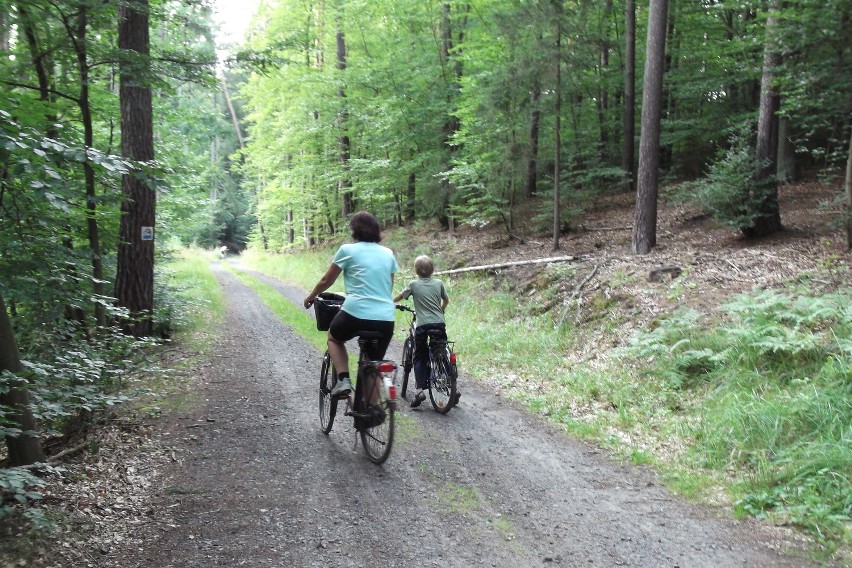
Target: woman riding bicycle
{"points": [[368, 270]]}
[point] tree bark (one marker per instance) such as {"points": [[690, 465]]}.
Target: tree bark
{"points": [[134, 284], [765, 178], [24, 449], [627, 158], [645, 218]]}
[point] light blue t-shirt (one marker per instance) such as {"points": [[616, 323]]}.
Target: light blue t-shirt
{"points": [[367, 269]]}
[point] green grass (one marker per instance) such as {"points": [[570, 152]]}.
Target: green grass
{"points": [[296, 317], [202, 304], [754, 403]]}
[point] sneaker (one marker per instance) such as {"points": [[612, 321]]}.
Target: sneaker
{"points": [[456, 398], [421, 396], [343, 387]]}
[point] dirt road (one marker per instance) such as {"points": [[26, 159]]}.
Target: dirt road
{"points": [[255, 483]]}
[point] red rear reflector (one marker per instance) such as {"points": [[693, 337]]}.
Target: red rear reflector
{"points": [[386, 367], [453, 358], [392, 392]]}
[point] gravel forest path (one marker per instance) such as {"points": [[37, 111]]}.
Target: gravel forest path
{"points": [[255, 483]]}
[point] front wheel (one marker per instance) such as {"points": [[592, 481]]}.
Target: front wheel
{"points": [[407, 363], [442, 386], [327, 404]]}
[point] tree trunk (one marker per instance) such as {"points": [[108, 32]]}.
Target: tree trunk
{"points": [[89, 172], [134, 283], [786, 154], [603, 94], [645, 218], [765, 178], [670, 64], [557, 163], [236, 122], [627, 158], [344, 186], [41, 65], [531, 183], [410, 196], [452, 77], [25, 449], [849, 194], [291, 229]]}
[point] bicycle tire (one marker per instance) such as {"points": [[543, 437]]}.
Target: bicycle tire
{"points": [[378, 440], [407, 363], [442, 384], [327, 404]]}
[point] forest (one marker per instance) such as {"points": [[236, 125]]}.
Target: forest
{"points": [[127, 134]]}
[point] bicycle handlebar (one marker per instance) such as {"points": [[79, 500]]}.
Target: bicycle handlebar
{"points": [[404, 308]]}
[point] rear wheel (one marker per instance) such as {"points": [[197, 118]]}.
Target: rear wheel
{"points": [[407, 363], [327, 404], [442, 386], [378, 440]]}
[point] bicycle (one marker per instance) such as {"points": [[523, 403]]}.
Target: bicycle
{"points": [[442, 362], [372, 405]]}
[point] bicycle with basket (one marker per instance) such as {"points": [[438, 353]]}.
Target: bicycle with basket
{"points": [[373, 403]]}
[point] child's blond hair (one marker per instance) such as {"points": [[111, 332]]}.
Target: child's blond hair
{"points": [[423, 266]]}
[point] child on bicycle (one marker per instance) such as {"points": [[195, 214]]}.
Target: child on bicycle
{"points": [[430, 301]]}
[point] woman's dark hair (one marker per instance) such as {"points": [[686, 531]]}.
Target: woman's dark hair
{"points": [[365, 227]]}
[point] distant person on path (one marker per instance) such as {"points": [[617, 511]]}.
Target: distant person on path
{"points": [[368, 270], [430, 301], [223, 250]]}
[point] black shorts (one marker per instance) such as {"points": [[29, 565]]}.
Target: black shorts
{"points": [[345, 327]]}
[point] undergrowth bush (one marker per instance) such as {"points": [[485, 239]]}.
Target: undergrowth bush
{"points": [[775, 378]]}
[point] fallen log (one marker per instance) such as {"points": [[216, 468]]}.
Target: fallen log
{"points": [[507, 264]]}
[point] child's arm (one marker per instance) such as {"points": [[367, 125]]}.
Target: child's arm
{"points": [[397, 298], [444, 304]]}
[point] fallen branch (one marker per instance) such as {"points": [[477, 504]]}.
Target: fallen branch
{"points": [[575, 294], [603, 229], [67, 452], [508, 264]]}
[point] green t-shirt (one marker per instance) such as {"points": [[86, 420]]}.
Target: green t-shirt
{"points": [[427, 294]]}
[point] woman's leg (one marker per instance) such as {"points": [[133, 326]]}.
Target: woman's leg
{"points": [[339, 356]]}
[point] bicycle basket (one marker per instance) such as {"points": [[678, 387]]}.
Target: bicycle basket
{"points": [[326, 307]]}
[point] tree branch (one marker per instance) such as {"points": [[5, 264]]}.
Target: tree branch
{"points": [[34, 88]]}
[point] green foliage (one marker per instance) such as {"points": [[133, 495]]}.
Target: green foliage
{"points": [[729, 192], [18, 487], [776, 382]]}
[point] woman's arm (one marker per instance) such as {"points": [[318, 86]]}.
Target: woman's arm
{"points": [[324, 284]]}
